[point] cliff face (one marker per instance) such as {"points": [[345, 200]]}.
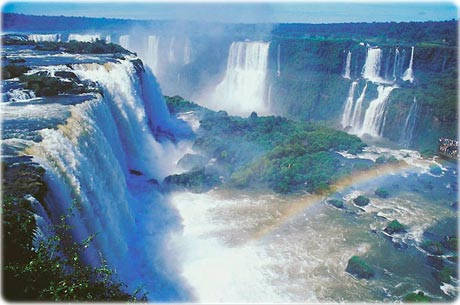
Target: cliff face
{"points": [[309, 71]]}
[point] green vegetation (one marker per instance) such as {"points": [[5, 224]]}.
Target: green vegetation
{"points": [[50, 269], [361, 201], [336, 202], [416, 297], [12, 71], [198, 180], [395, 227], [382, 192], [360, 268], [74, 47], [44, 85], [271, 152], [433, 247]]}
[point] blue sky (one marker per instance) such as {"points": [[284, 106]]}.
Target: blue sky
{"points": [[247, 12]]}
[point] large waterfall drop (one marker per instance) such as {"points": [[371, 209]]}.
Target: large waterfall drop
{"points": [[171, 53], [372, 66], [355, 121], [278, 72], [91, 159], [243, 88], [375, 113], [409, 73], [347, 71], [153, 54], [124, 41], [348, 110], [84, 37], [44, 37], [187, 52], [409, 125]]}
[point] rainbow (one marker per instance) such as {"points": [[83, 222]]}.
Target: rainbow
{"points": [[300, 204]]}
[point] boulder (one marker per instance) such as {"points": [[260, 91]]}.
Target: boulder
{"points": [[395, 227], [361, 201], [336, 202], [359, 268]]}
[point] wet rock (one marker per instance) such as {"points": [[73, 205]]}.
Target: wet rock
{"points": [[359, 268], [432, 247], [336, 202], [435, 262], [361, 201], [416, 297], [382, 193], [135, 172], [395, 227]]}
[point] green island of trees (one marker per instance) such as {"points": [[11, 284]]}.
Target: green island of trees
{"points": [[270, 152]]}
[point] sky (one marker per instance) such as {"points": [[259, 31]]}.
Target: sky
{"points": [[246, 12]]}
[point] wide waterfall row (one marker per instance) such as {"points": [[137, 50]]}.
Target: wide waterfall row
{"points": [[371, 121], [409, 125], [105, 162], [243, 88]]}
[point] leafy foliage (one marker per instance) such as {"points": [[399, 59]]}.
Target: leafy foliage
{"points": [[395, 227], [361, 201], [273, 152], [49, 269], [360, 268], [382, 192]]}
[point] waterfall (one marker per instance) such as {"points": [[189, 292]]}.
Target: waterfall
{"points": [[84, 37], [124, 41], [409, 125], [409, 73], [396, 65], [44, 37], [375, 113], [153, 54], [348, 110], [355, 121], [243, 88], [278, 72], [372, 66], [387, 64], [346, 73], [90, 160], [444, 61], [171, 54], [108, 38], [187, 52], [270, 96]]}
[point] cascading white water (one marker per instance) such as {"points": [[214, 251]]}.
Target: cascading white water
{"points": [[278, 72], [124, 41], [44, 37], [90, 161], [84, 37], [409, 73], [153, 54], [375, 113], [19, 95], [243, 88], [347, 71], [108, 38], [409, 124], [348, 110], [396, 65], [187, 52], [270, 95], [171, 53], [372, 66], [355, 121]]}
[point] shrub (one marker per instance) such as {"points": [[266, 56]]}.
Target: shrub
{"points": [[381, 192], [361, 201]]}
